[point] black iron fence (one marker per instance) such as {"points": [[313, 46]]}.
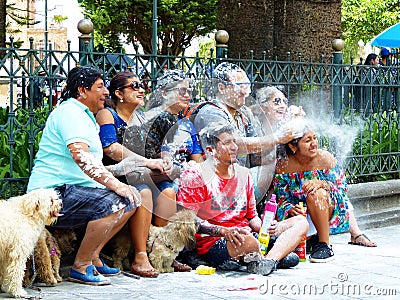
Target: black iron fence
{"points": [[365, 99]]}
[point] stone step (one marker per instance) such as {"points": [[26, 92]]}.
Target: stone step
{"points": [[376, 204], [380, 218]]}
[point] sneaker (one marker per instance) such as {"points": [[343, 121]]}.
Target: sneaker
{"points": [[321, 253], [289, 261], [311, 243], [263, 267], [229, 265]]}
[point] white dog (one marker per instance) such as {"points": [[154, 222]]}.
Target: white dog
{"points": [[22, 220]]}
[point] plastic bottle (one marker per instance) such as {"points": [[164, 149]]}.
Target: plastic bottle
{"points": [[301, 248], [269, 216]]}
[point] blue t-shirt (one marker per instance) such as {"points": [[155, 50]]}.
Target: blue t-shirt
{"points": [[71, 122]]}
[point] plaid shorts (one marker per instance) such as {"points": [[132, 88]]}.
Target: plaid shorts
{"points": [[84, 204]]}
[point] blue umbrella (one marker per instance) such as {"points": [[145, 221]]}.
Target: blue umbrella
{"points": [[390, 37]]}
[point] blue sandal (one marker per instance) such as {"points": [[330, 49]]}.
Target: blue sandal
{"points": [[107, 271], [92, 277]]}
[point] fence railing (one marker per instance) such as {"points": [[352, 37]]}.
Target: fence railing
{"points": [[365, 99]]}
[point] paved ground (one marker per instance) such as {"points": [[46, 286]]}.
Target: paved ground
{"points": [[356, 273]]}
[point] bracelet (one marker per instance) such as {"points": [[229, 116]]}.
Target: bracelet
{"points": [[215, 231]]}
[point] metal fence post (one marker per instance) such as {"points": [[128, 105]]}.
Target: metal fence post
{"points": [[85, 27], [222, 38], [337, 45]]}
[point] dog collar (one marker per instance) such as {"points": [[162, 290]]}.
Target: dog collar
{"points": [[166, 245]]}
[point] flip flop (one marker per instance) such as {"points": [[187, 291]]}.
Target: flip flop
{"points": [[152, 273], [354, 241]]}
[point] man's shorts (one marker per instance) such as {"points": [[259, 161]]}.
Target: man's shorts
{"points": [[219, 257], [84, 204], [218, 254]]}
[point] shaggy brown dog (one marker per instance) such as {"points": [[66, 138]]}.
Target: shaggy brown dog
{"points": [[165, 243], [47, 261], [66, 240]]}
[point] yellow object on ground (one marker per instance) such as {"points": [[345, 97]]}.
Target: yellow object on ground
{"points": [[205, 270]]}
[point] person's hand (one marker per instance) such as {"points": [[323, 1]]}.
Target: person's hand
{"points": [[233, 235], [129, 192], [296, 210], [174, 172], [127, 165], [167, 163], [272, 228], [312, 186], [155, 164], [284, 136]]}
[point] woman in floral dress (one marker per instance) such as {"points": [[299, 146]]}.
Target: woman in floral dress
{"points": [[312, 176]]}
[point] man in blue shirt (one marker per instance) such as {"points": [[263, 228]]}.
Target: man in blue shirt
{"points": [[69, 160]]}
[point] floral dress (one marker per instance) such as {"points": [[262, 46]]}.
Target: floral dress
{"points": [[288, 188]]}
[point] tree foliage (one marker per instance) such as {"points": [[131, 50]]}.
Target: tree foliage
{"points": [[17, 15], [127, 21], [363, 20]]}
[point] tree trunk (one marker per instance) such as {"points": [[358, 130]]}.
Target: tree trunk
{"points": [[271, 28], [3, 22]]}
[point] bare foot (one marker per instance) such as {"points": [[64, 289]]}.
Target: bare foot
{"points": [[142, 267]]}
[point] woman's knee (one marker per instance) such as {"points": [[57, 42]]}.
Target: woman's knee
{"points": [[147, 200], [166, 202], [319, 199], [168, 193]]}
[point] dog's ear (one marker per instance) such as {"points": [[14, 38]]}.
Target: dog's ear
{"points": [[31, 203]]}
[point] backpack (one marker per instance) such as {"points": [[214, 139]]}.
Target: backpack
{"points": [[191, 110]]}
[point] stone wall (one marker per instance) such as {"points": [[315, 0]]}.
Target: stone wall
{"points": [[56, 36], [280, 26], [376, 204]]}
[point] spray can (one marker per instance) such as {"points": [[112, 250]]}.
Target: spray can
{"points": [[269, 216], [301, 248]]}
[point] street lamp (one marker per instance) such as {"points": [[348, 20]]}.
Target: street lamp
{"points": [[46, 32], [154, 38], [154, 35]]}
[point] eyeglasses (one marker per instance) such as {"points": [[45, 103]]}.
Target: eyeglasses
{"points": [[135, 85], [182, 90], [278, 101], [239, 85]]}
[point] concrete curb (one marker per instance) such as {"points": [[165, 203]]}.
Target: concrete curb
{"points": [[376, 204]]}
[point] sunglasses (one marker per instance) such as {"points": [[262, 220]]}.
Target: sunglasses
{"points": [[135, 85], [278, 101], [182, 90]]}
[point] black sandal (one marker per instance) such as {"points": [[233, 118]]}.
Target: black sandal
{"points": [[354, 241]]}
